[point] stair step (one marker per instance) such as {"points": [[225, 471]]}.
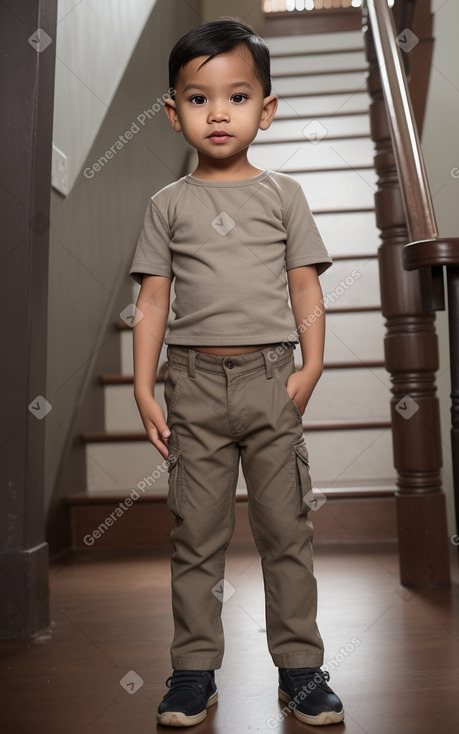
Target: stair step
{"points": [[353, 394], [352, 336], [355, 516], [348, 232], [119, 379], [310, 71], [352, 81], [117, 461], [336, 127], [351, 283], [359, 393], [323, 63], [316, 42], [365, 336], [322, 105], [346, 190], [304, 155]]}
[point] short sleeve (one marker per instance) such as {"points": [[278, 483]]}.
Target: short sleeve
{"points": [[153, 255], [304, 243]]}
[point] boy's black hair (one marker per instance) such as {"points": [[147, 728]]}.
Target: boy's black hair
{"points": [[215, 38]]}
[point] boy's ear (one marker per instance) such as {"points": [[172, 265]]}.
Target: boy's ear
{"points": [[269, 110], [170, 109]]}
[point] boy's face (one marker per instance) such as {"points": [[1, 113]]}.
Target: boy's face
{"points": [[220, 106]]}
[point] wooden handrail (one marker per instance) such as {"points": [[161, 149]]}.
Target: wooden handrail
{"points": [[416, 195]]}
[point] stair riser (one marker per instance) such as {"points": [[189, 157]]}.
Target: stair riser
{"points": [[348, 336], [341, 126], [307, 156], [351, 336], [351, 283], [334, 83], [148, 524], [309, 63], [322, 105], [350, 233], [315, 42], [340, 394], [351, 189], [356, 455]]}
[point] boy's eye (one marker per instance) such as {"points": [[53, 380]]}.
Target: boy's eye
{"points": [[198, 99], [238, 98]]}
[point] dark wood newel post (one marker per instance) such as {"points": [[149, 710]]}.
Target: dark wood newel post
{"points": [[411, 357]]}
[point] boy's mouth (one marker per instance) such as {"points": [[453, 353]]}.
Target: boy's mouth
{"points": [[219, 136]]}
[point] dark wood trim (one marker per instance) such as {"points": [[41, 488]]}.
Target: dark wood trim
{"points": [[147, 523], [367, 364], [357, 256], [26, 142], [354, 210], [352, 309]]}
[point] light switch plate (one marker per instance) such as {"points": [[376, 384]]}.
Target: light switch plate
{"points": [[59, 173]]}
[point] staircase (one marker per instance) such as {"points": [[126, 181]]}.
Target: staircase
{"points": [[321, 137]]}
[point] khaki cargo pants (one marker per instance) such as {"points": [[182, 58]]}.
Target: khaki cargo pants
{"points": [[222, 410]]}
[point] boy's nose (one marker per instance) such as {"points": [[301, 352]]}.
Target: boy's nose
{"points": [[218, 114]]}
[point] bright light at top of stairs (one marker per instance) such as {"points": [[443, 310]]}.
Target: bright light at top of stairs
{"points": [[278, 6]]}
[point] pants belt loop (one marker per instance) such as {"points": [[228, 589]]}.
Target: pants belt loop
{"points": [[268, 362], [192, 363]]}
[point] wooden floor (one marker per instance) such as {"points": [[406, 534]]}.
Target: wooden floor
{"points": [[394, 653]]}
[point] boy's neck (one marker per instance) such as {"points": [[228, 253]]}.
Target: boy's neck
{"points": [[226, 169]]}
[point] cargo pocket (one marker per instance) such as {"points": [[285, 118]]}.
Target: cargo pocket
{"points": [[175, 469], [303, 477]]}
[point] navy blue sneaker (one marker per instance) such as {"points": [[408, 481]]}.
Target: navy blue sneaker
{"points": [[311, 699], [191, 693]]}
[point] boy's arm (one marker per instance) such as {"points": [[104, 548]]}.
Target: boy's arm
{"points": [[306, 299], [153, 302]]}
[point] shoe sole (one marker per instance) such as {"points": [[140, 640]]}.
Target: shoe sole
{"points": [[326, 717], [178, 718]]}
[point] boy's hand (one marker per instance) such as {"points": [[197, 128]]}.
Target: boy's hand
{"points": [[155, 425], [300, 386]]}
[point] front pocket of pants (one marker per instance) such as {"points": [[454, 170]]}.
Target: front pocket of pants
{"points": [[283, 386], [174, 495], [303, 476], [172, 387]]}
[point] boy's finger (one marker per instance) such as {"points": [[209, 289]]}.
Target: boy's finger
{"points": [[161, 446]]}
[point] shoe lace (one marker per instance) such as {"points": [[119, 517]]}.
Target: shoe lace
{"points": [[302, 676], [187, 679]]}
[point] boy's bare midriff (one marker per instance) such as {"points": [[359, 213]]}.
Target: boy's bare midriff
{"points": [[225, 351]]}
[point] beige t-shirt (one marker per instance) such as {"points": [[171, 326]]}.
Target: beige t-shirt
{"points": [[228, 244]]}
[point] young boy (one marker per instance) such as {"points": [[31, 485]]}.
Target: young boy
{"points": [[233, 237]]}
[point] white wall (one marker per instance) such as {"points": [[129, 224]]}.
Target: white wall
{"points": [[441, 152], [95, 40]]}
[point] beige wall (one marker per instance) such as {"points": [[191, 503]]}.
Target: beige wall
{"points": [[441, 151], [247, 10], [93, 235]]}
